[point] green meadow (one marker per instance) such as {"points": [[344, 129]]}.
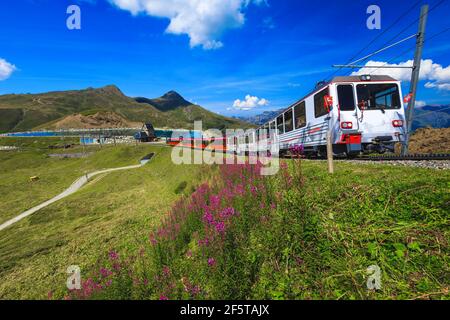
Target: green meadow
{"points": [[115, 210], [309, 235]]}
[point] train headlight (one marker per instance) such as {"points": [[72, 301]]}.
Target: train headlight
{"points": [[397, 123], [347, 125], [366, 77]]}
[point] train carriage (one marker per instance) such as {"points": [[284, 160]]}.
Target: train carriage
{"points": [[363, 114]]}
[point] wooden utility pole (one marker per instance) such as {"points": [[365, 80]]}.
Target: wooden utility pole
{"points": [[415, 76]]}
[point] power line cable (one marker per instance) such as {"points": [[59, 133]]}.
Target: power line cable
{"points": [[378, 36], [436, 5], [411, 48]]}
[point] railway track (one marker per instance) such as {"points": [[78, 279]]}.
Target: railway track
{"points": [[412, 157]]}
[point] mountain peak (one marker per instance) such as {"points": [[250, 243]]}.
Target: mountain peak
{"points": [[111, 89], [170, 101], [172, 95]]}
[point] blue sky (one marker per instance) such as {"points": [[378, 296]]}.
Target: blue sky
{"points": [[272, 51]]}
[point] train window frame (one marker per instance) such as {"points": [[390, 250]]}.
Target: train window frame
{"points": [[278, 124], [341, 108], [393, 86], [273, 126], [298, 106], [266, 130], [319, 108], [291, 126]]}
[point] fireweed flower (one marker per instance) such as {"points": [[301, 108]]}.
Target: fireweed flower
{"points": [[113, 255], [211, 262], [220, 227], [166, 271], [208, 217], [105, 272]]}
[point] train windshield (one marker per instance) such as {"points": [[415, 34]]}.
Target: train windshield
{"points": [[378, 96]]}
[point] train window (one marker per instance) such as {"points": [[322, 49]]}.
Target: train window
{"points": [[280, 124], [346, 97], [319, 107], [273, 126], [266, 131], [378, 96], [300, 115], [288, 121]]}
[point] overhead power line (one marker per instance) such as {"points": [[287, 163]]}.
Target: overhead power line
{"points": [[376, 52], [427, 40], [379, 35]]}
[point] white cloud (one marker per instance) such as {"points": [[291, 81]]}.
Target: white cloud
{"points": [[440, 86], [6, 69], [420, 103], [204, 21], [436, 74], [249, 103]]}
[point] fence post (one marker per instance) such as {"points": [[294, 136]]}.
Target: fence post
{"points": [[330, 153]]}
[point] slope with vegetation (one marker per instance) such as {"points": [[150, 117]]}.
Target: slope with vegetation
{"points": [[429, 140], [301, 234], [112, 211], [64, 109]]}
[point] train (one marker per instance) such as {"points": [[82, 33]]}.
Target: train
{"points": [[363, 114], [360, 114]]}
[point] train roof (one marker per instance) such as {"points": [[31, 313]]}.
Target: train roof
{"points": [[359, 79]]}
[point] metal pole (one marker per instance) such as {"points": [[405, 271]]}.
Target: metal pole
{"points": [[415, 76]]}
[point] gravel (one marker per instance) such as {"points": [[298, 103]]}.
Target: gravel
{"points": [[430, 164]]}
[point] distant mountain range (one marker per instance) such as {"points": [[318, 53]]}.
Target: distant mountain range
{"points": [[262, 118], [101, 108], [437, 116]]}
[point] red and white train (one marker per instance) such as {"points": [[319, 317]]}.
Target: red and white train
{"points": [[363, 114]]}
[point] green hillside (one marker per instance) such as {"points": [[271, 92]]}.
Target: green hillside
{"points": [[19, 112]]}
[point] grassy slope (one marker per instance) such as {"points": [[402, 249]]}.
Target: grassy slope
{"points": [[113, 212], [316, 244], [19, 194], [395, 217]]}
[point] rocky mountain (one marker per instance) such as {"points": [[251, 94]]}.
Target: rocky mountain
{"points": [[103, 107]]}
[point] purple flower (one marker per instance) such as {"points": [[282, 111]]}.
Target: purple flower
{"points": [[227, 212], [220, 227], [105, 272], [211, 262], [113, 255], [208, 217], [166, 271], [163, 297]]}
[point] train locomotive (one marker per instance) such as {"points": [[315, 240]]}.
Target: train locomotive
{"points": [[363, 114]]}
